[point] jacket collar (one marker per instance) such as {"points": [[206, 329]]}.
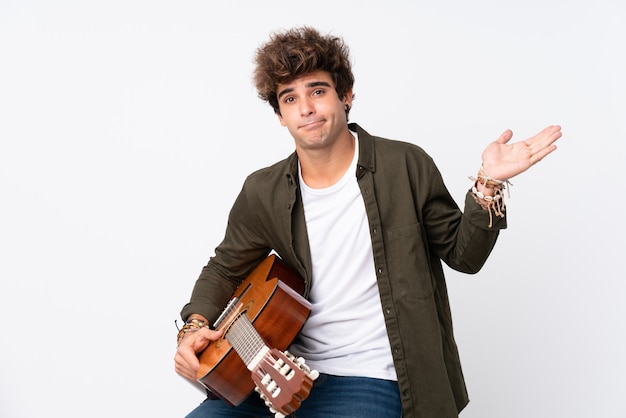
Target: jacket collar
{"points": [[367, 158]]}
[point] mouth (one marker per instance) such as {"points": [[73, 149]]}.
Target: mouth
{"points": [[312, 124]]}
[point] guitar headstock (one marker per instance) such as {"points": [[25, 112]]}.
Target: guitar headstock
{"points": [[283, 381]]}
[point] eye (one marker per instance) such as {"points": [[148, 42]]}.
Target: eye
{"points": [[318, 92], [289, 99]]}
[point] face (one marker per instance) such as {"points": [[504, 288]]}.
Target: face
{"points": [[312, 111]]}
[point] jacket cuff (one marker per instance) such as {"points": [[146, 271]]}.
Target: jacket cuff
{"points": [[483, 217]]}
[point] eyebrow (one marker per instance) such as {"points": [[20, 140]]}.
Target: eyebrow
{"points": [[308, 85]]}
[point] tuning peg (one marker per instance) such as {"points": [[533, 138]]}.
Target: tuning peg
{"points": [[313, 374], [301, 363]]}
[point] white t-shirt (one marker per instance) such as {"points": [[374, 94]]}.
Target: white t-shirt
{"points": [[345, 334]]}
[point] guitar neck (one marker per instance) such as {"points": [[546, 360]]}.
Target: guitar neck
{"points": [[246, 341]]}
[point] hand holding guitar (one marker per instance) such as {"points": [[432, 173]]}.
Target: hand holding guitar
{"points": [[192, 343], [237, 358]]}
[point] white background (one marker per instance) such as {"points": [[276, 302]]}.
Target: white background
{"points": [[127, 128]]}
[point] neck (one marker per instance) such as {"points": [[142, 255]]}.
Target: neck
{"points": [[322, 168]]}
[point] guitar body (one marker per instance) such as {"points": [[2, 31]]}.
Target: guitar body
{"points": [[271, 298]]}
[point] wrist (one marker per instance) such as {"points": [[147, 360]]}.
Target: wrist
{"points": [[197, 317], [483, 188], [488, 193], [193, 324]]}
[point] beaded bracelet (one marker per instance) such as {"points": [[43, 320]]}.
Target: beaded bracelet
{"points": [[191, 325]]}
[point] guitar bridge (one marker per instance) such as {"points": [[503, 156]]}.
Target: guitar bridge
{"points": [[227, 310]]}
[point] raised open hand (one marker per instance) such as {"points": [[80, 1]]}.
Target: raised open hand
{"points": [[503, 161]]}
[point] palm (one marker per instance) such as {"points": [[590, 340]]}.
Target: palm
{"points": [[503, 161]]}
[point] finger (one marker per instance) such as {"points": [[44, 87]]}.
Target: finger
{"points": [[552, 129], [538, 156], [548, 135], [505, 137], [540, 144], [182, 367], [209, 334], [553, 134], [186, 362]]}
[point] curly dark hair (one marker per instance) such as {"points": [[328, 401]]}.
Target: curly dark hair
{"points": [[297, 52]]}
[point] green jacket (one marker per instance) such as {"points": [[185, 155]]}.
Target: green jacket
{"points": [[415, 225]]}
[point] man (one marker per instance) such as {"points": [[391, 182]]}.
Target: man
{"points": [[366, 222]]}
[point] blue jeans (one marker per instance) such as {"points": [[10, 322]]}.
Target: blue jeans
{"points": [[330, 397]]}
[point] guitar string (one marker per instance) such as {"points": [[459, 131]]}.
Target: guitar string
{"points": [[245, 339]]}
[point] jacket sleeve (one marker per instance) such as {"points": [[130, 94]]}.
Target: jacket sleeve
{"points": [[235, 257], [462, 239]]}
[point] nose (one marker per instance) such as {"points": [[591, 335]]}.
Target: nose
{"points": [[306, 107]]}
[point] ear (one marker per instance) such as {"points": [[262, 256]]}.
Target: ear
{"points": [[347, 97]]}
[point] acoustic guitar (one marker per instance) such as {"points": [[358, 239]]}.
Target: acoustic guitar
{"points": [[263, 317]]}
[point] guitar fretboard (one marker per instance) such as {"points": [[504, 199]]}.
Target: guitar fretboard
{"points": [[246, 341]]}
